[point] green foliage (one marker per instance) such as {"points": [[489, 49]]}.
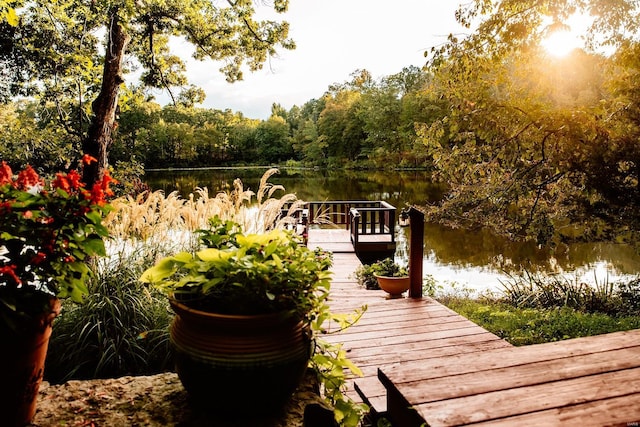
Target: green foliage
{"points": [[121, 329], [537, 291], [524, 326], [430, 286], [330, 362], [54, 52], [332, 366], [365, 274], [272, 140], [240, 273], [28, 140], [531, 145]]}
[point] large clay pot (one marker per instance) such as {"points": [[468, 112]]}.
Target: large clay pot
{"points": [[22, 365], [394, 286], [230, 362]]}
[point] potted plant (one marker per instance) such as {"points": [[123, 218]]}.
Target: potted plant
{"points": [[392, 277], [244, 304], [48, 230]]}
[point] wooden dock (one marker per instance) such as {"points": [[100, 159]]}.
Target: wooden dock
{"points": [[424, 364]]}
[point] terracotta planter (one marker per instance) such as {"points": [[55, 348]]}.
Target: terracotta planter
{"points": [[229, 362], [394, 286], [22, 366]]}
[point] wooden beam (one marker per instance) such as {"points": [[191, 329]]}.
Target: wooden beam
{"points": [[416, 252]]}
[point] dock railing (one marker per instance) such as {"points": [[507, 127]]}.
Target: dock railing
{"points": [[339, 213], [372, 221], [371, 224]]}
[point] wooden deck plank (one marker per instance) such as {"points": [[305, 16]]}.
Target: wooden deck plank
{"points": [[513, 356], [527, 374], [607, 412], [502, 383], [534, 398]]}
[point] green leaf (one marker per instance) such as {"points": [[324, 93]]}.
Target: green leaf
{"points": [[164, 269], [213, 255], [94, 247]]}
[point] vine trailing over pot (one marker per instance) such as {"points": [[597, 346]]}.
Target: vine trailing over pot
{"points": [[236, 276]]}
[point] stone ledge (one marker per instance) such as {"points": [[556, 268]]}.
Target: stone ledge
{"points": [[157, 400]]}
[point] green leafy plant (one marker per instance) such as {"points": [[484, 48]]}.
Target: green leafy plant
{"points": [[389, 268], [239, 273], [48, 231], [366, 273], [333, 367]]}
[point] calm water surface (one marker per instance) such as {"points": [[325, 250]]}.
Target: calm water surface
{"points": [[476, 260]]}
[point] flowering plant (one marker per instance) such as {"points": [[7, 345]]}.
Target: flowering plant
{"points": [[47, 232]]}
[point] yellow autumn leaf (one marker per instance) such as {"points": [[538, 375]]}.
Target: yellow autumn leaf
{"points": [[12, 17]]}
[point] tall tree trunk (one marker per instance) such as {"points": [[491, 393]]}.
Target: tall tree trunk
{"points": [[99, 137]]}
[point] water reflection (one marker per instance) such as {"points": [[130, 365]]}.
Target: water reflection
{"points": [[475, 259]]}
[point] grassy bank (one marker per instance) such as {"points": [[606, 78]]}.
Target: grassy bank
{"points": [[533, 310]]}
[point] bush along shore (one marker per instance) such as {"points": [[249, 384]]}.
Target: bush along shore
{"points": [[535, 309]]}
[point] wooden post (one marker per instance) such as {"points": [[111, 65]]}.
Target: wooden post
{"points": [[416, 252]]}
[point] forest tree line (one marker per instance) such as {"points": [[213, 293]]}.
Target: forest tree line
{"points": [[359, 123]]}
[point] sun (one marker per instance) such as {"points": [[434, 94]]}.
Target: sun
{"points": [[564, 40], [561, 43]]}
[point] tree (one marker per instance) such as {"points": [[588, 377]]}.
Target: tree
{"points": [[339, 127], [526, 137], [272, 139], [54, 51]]}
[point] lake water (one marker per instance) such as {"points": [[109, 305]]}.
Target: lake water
{"points": [[470, 259]]}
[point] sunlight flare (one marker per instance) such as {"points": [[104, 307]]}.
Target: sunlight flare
{"points": [[564, 39], [561, 43]]}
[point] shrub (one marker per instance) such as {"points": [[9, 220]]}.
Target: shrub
{"points": [[120, 329], [537, 291]]}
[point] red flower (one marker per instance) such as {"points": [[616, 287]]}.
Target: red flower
{"points": [[5, 174], [28, 178], [68, 182], [5, 208], [97, 194], [74, 179], [100, 190], [10, 270], [62, 183], [87, 159], [106, 180], [39, 258]]}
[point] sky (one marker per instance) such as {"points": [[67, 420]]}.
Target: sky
{"points": [[334, 38]]}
